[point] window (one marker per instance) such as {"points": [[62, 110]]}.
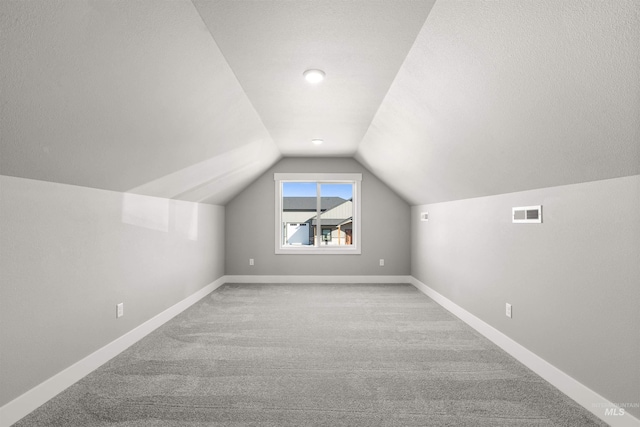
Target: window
{"points": [[317, 213]]}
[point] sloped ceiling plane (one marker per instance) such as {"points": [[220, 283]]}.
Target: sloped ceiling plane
{"points": [[443, 100]]}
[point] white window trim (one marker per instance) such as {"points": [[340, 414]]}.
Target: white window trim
{"points": [[321, 178]]}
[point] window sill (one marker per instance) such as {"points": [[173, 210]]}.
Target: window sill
{"points": [[318, 251]]}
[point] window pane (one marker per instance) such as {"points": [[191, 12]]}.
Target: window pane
{"points": [[336, 217], [299, 200], [318, 213]]}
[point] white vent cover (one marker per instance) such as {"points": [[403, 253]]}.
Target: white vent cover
{"points": [[424, 216], [527, 214]]}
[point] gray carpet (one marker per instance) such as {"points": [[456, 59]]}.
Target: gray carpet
{"points": [[313, 355]]}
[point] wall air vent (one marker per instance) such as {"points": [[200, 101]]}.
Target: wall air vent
{"points": [[527, 214], [424, 216]]}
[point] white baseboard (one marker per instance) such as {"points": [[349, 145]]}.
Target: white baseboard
{"points": [[589, 399], [32, 399], [317, 279], [592, 401]]}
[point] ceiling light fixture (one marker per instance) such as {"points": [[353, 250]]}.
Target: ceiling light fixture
{"points": [[317, 141], [314, 76]]}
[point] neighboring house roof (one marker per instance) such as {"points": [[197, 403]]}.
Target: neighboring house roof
{"points": [[309, 203]]}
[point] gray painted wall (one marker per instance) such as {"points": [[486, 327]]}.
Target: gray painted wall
{"points": [[69, 254], [572, 280], [250, 228]]}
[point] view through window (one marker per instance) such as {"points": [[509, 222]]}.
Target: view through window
{"points": [[317, 214]]}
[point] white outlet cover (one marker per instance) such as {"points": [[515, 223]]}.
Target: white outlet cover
{"points": [[120, 310], [508, 310]]}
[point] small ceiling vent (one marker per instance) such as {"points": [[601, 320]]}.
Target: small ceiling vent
{"points": [[527, 214]]}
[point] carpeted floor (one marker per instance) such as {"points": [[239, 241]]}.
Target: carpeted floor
{"points": [[313, 355]]}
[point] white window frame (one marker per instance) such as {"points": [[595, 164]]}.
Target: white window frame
{"points": [[319, 178]]}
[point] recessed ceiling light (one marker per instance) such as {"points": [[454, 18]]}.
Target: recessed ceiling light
{"points": [[317, 141], [314, 76]]}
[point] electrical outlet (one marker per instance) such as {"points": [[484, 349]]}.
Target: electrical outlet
{"points": [[250, 261], [120, 310], [381, 262], [508, 310]]}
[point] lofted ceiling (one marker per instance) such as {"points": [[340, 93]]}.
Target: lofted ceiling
{"points": [[194, 100], [504, 96], [360, 45]]}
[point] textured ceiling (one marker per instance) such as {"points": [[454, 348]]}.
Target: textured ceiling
{"points": [[360, 44], [503, 96], [125, 96], [194, 100]]}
